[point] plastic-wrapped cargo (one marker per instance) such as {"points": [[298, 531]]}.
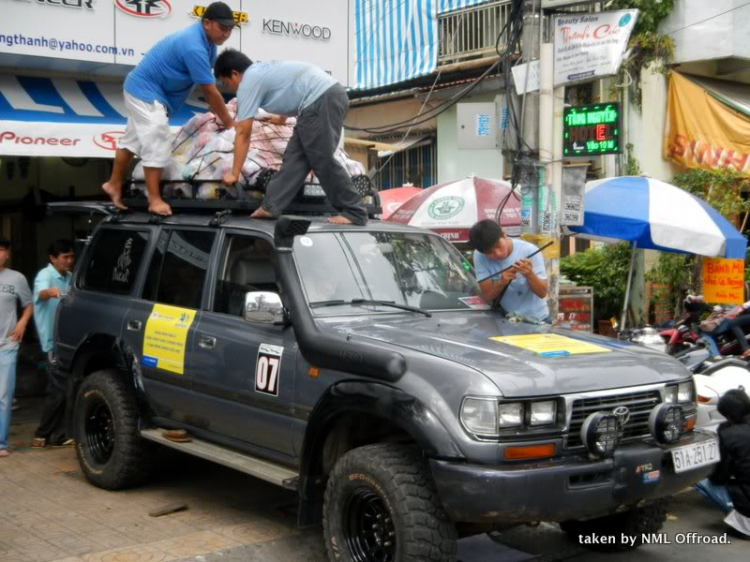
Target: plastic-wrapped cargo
{"points": [[203, 151]]}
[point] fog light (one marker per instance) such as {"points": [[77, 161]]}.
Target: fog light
{"points": [[666, 423], [601, 434]]}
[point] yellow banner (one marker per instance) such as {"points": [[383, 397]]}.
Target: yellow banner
{"points": [[724, 281], [165, 338], [703, 132], [551, 345]]}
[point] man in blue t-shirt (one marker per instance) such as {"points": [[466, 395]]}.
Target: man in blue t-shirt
{"points": [[524, 285], [50, 287], [157, 88], [293, 89]]}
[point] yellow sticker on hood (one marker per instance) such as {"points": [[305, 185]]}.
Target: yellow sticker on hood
{"points": [[166, 337], [551, 345]]}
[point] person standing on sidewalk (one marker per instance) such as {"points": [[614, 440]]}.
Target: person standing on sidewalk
{"points": [[14, 290], [51, 285], [157, 88], [320, 103]]}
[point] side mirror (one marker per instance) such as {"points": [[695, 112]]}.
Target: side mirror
{"points": [[263, 307]]}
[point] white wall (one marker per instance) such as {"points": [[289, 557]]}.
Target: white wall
{"points": [[699, 36], [645, 128]]}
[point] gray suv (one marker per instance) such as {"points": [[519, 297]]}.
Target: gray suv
{"points": [[357, 366]]}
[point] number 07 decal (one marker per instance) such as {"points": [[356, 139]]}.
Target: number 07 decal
{"points": [[268, 369]]}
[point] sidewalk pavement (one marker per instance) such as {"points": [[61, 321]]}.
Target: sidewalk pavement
{"points": [[50, 513]]}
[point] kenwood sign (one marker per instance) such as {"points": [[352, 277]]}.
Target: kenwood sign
{"points": [[294, 29]]}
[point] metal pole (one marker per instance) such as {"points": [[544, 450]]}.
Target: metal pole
{"points": [[627, 288]]}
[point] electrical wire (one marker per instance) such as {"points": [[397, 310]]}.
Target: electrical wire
{"points": [[517, 18]]}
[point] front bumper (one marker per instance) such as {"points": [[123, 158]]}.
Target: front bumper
{"points": [[560, 490]]}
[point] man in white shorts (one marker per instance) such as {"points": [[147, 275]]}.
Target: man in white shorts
{"points": [[157, 88]]}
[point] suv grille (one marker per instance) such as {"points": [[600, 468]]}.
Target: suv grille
{"points": [[640, 405]]}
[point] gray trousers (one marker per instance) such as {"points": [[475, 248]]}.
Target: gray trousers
{"points": [[312, 147]]}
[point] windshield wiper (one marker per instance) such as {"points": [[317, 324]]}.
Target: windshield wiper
{"points": [[322, 304]]}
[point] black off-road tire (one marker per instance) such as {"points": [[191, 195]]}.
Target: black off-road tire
{"points": [[394, 482], [110, 451], [635, 523]]}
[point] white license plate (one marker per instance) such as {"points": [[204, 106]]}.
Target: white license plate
{"points": [[695, 456]]}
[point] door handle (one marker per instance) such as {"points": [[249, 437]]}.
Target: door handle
{"points": [[134, 325], [207, 342]]}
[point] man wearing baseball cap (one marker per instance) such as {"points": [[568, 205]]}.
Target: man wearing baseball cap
{"points": [[157, 88]]}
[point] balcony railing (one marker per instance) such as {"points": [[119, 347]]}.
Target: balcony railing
{"points": [[471, 33]]}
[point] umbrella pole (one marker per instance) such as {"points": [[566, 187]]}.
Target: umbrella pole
{"points": [[627, 288]]}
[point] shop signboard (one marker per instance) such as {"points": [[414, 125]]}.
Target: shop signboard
{"points": [[590, 45], [73, 30], [724, 280], [141, 24], [122, 31], [591, 130], [65, 117]]}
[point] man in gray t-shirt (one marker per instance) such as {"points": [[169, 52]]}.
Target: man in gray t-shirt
{"points": [[293, 89], [14, 290]]}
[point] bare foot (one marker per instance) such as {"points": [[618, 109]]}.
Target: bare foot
{"points": [[159, 207], [261, 213], [338, 219], [114, 190]]}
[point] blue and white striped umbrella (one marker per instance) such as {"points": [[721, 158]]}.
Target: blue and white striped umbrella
{"points": [[651, 214]]}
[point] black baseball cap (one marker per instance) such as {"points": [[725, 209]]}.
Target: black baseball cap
{"points": [[219, 12]]}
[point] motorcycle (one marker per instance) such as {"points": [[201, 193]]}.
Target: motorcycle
{"points": [[685, 331]]}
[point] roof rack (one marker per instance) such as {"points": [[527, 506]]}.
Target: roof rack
{"points": [[311, 200]]}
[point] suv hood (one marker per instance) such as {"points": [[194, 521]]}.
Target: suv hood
{"points": [[465, 338]]}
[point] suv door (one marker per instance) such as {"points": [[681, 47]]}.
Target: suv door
{"points": [[160, 325], [243, 371], [103, 286]]}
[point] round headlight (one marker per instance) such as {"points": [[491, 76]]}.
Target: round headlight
{"points": [[666, 423], [601, 434]]}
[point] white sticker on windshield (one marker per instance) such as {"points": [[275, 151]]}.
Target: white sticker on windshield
{"points": [[306, 241]]}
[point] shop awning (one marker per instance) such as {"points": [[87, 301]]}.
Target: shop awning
{"points": [[708, 124], [66, 117]]}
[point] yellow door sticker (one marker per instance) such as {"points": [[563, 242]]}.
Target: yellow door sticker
{"points": [[166, 337], [551, 345]]}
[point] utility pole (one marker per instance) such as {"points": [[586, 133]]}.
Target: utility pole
{"points": [[529, 119], [541, 122]]}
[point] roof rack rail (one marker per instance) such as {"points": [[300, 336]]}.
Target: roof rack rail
{"points": [[311, 201]]}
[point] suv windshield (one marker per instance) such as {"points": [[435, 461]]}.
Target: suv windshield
{"points": [[409, 269]]}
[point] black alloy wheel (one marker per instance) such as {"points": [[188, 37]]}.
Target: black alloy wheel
{"points": [[368, 528], [106, 420], [100, 433]]}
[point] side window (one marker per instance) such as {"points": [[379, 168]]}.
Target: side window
{"points": [[177, 272], [115, 261], [246, 267]]}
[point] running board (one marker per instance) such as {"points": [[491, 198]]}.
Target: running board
{"points": [[270, 472]]}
